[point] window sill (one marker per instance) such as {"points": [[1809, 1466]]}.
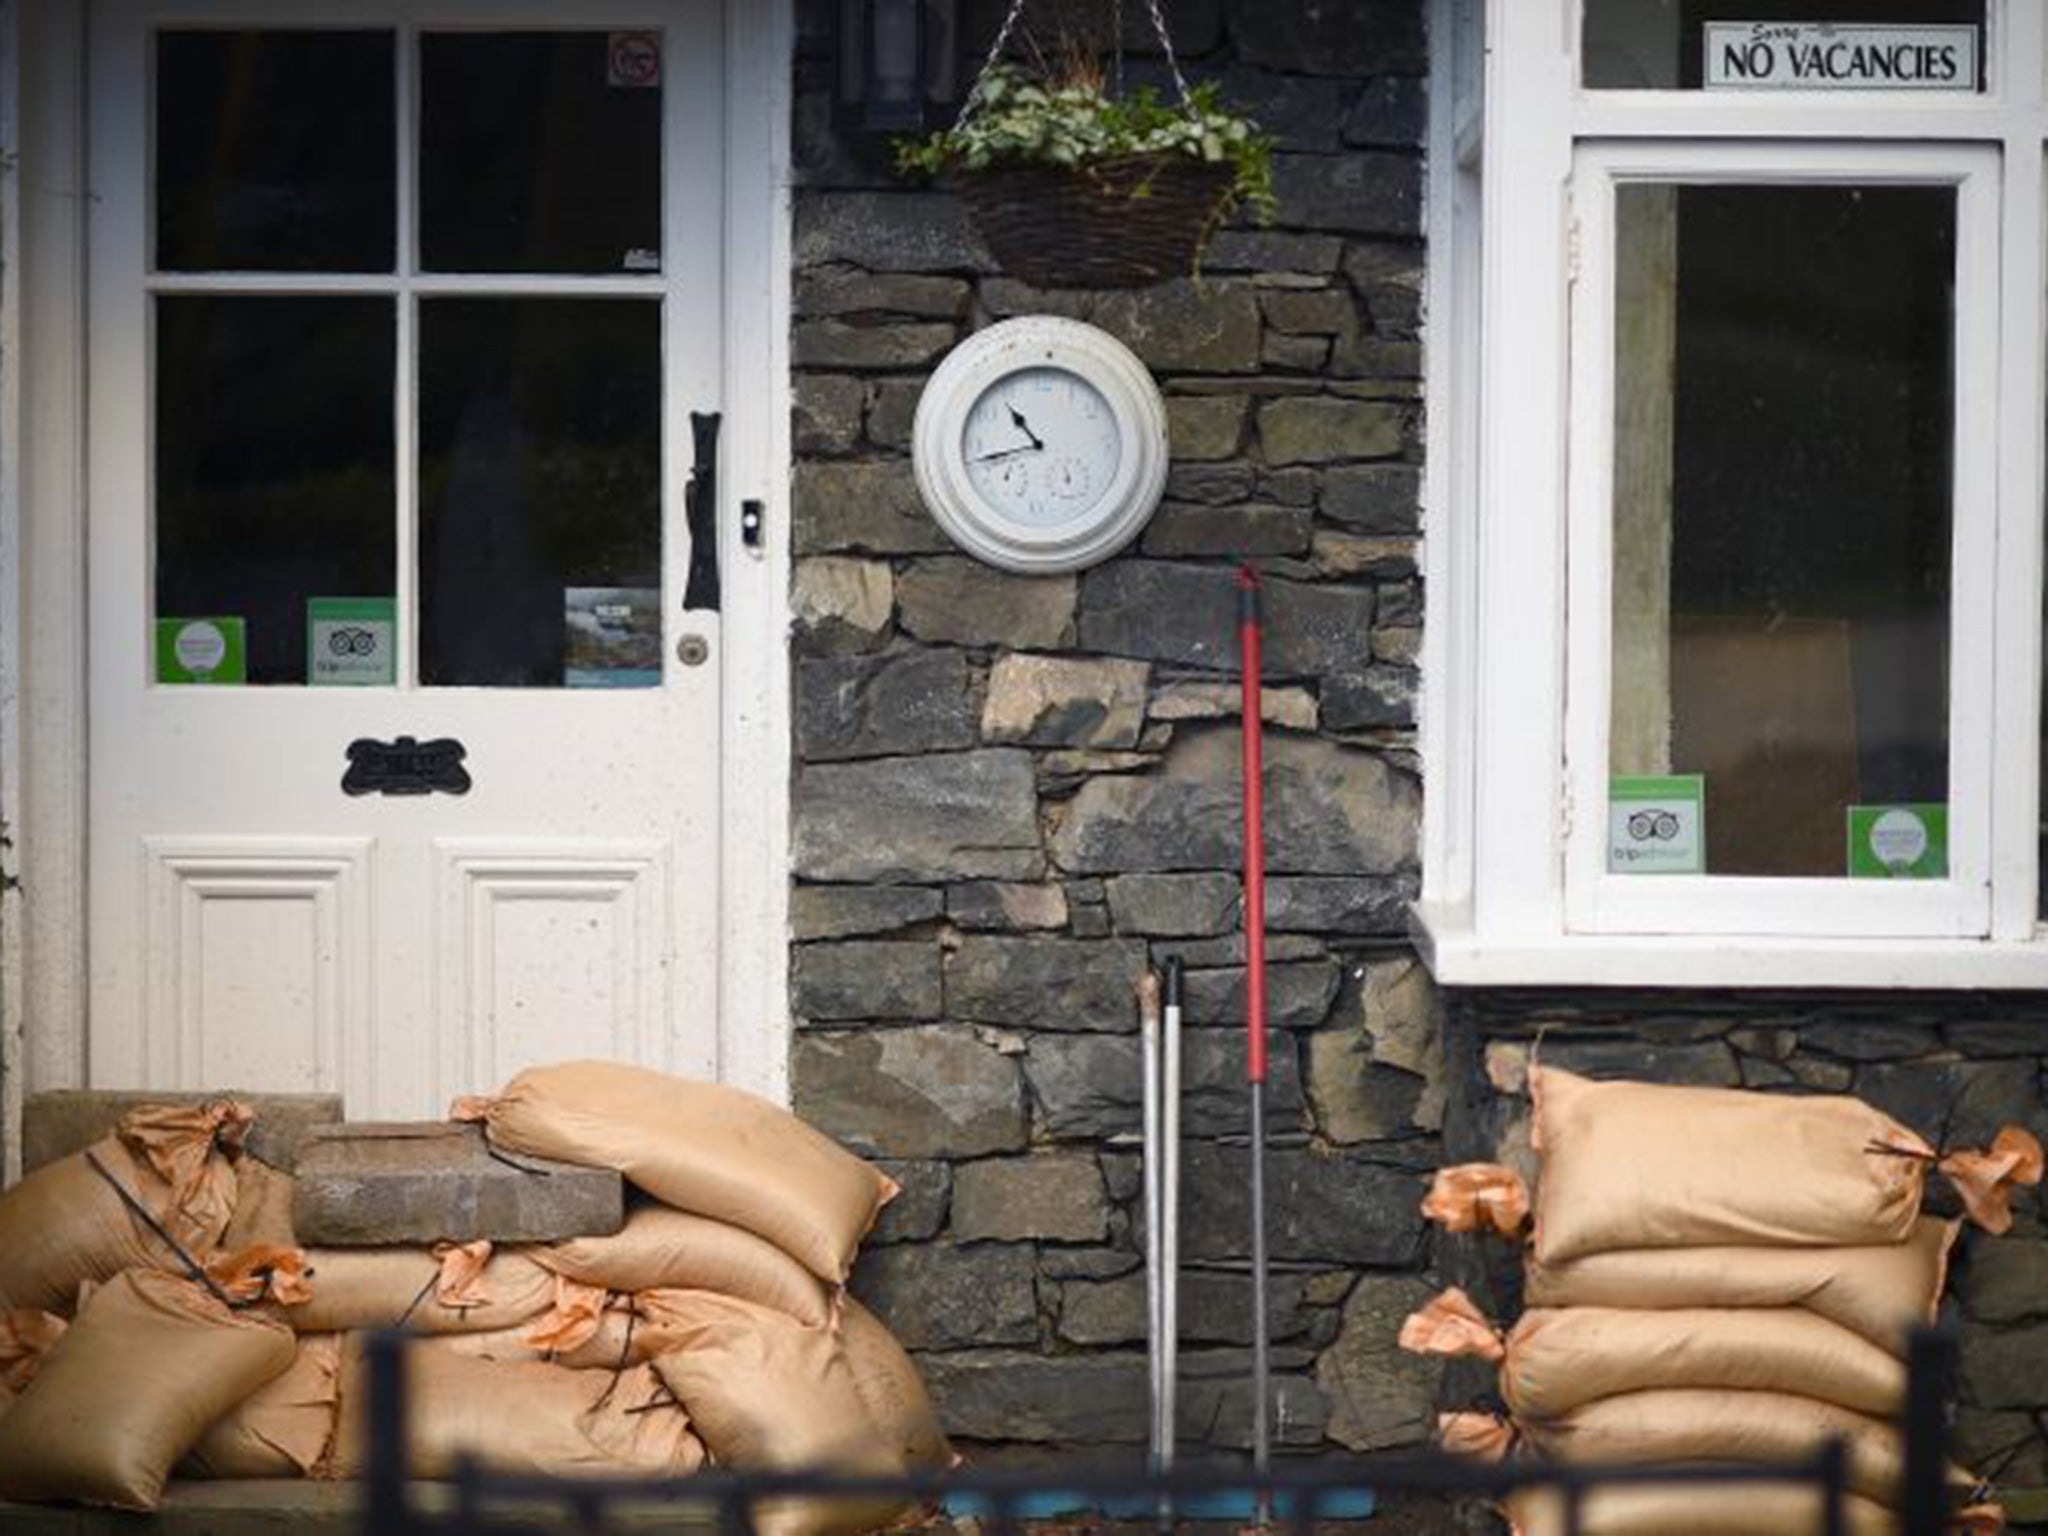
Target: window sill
{"points": [[1459, 954]]}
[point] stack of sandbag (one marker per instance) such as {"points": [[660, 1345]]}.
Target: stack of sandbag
{"points": [[713, 1327], [1713, 1276], [130, 1332]]}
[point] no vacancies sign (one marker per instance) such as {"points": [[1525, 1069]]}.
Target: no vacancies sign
{"points": [[1818, 56]]}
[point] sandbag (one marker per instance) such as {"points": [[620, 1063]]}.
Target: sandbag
{"points": [[620, 1341], [1559, 1360], [701, 1147], [660, 1248], [1880, 1293], [151, 1362], [1695, 1509], [523, 1417], [1640, 1165], [381, 1287], [64, 1224], [769, 1394], [263, 1207], [284, 1430], [1700, 1424], [894, 1391]]}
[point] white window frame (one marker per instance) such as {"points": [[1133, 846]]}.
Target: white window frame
{"points": [[1514, 686], [1597, 901]]}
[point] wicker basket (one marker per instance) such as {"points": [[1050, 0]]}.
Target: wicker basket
{"points": [[1124, 223]]}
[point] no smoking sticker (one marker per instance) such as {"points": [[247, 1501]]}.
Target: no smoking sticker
{"points": [[633, 60]]}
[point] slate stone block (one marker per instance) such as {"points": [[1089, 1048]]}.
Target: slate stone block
{"points": [[950, 1296], [866, 979], [920, 1093], [362, 1185], [954, 816]]}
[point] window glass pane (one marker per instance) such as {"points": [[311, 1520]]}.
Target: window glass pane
{"points": [[540, 492], [275, 479], [275, 152], [540, 152], [1634, 45], [1782, 507]]}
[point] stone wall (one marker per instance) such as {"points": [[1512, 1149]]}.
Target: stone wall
{"points": [[1954, 1068], [1012, 793]]}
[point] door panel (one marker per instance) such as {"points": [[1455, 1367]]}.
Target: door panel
{"points": [[464, 483]]}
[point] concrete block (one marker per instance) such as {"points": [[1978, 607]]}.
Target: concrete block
{"points": [[54, 1125], [360, 1185]]}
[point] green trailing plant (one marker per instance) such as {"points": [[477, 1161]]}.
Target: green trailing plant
{"points": [[1069, 122]]}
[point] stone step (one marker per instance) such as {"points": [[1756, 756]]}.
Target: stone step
{"points": [[56, 1124], [430, 1181], [302, 1509]]}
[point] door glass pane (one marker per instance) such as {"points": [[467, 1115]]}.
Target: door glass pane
{"points": [[1784, 386], [1661, 45], [540, 152], [275, 468], [276, 151], [540, 492]]}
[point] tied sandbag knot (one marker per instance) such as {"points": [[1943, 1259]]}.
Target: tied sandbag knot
{"points": [[1984, 1180], [1449, 1325], [176, 1140], [1477, 1197], [460, 1284], [249, 1275], [573, 1320], [1486, 1436], [26, 1335]]}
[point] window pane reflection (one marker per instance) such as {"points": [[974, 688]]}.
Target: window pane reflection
{"points": [[275, 152], [275, 477], [1782, 511], [540, 152], [540, 490]]}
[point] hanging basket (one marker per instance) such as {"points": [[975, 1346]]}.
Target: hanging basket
{"points": [[1125, 223]]}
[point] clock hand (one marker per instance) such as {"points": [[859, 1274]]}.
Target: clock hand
{"points": [[1007, 453], [1017, 419]]}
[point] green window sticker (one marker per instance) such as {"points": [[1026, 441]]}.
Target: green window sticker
{"points": [[351, 642], [1898, 842], [201, 650], [1657, 825]]}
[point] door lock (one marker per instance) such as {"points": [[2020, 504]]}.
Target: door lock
{"points": [[693, 650]]}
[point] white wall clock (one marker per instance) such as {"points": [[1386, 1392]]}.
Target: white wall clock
{"points": [[1040, 445]]}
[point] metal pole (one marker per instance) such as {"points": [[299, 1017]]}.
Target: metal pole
{"points": [[1155, 1295], [1930, 1359], [1255, 1015], [388, 1502], [1169, 1222]]}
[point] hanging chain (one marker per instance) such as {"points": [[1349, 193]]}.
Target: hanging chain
{"points": [[995, 52], [1180, 82], [1116, 40]]}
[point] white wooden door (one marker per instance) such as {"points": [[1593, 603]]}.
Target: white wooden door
{"points": [[398, 319]]}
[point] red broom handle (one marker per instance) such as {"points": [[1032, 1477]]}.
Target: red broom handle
{"points": [[1254, 826]]}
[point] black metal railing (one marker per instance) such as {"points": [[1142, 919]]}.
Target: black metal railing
{"points": [[483, 1502]]}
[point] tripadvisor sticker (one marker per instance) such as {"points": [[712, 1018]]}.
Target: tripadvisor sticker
{"points": [[209, 650], [1898, 842], [1657, 825], [349, 642]]}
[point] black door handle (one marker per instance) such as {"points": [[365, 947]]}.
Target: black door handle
{"points": [[700, 511]]}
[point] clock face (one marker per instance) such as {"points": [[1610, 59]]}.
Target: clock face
{"points": [[1041, 446]]}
